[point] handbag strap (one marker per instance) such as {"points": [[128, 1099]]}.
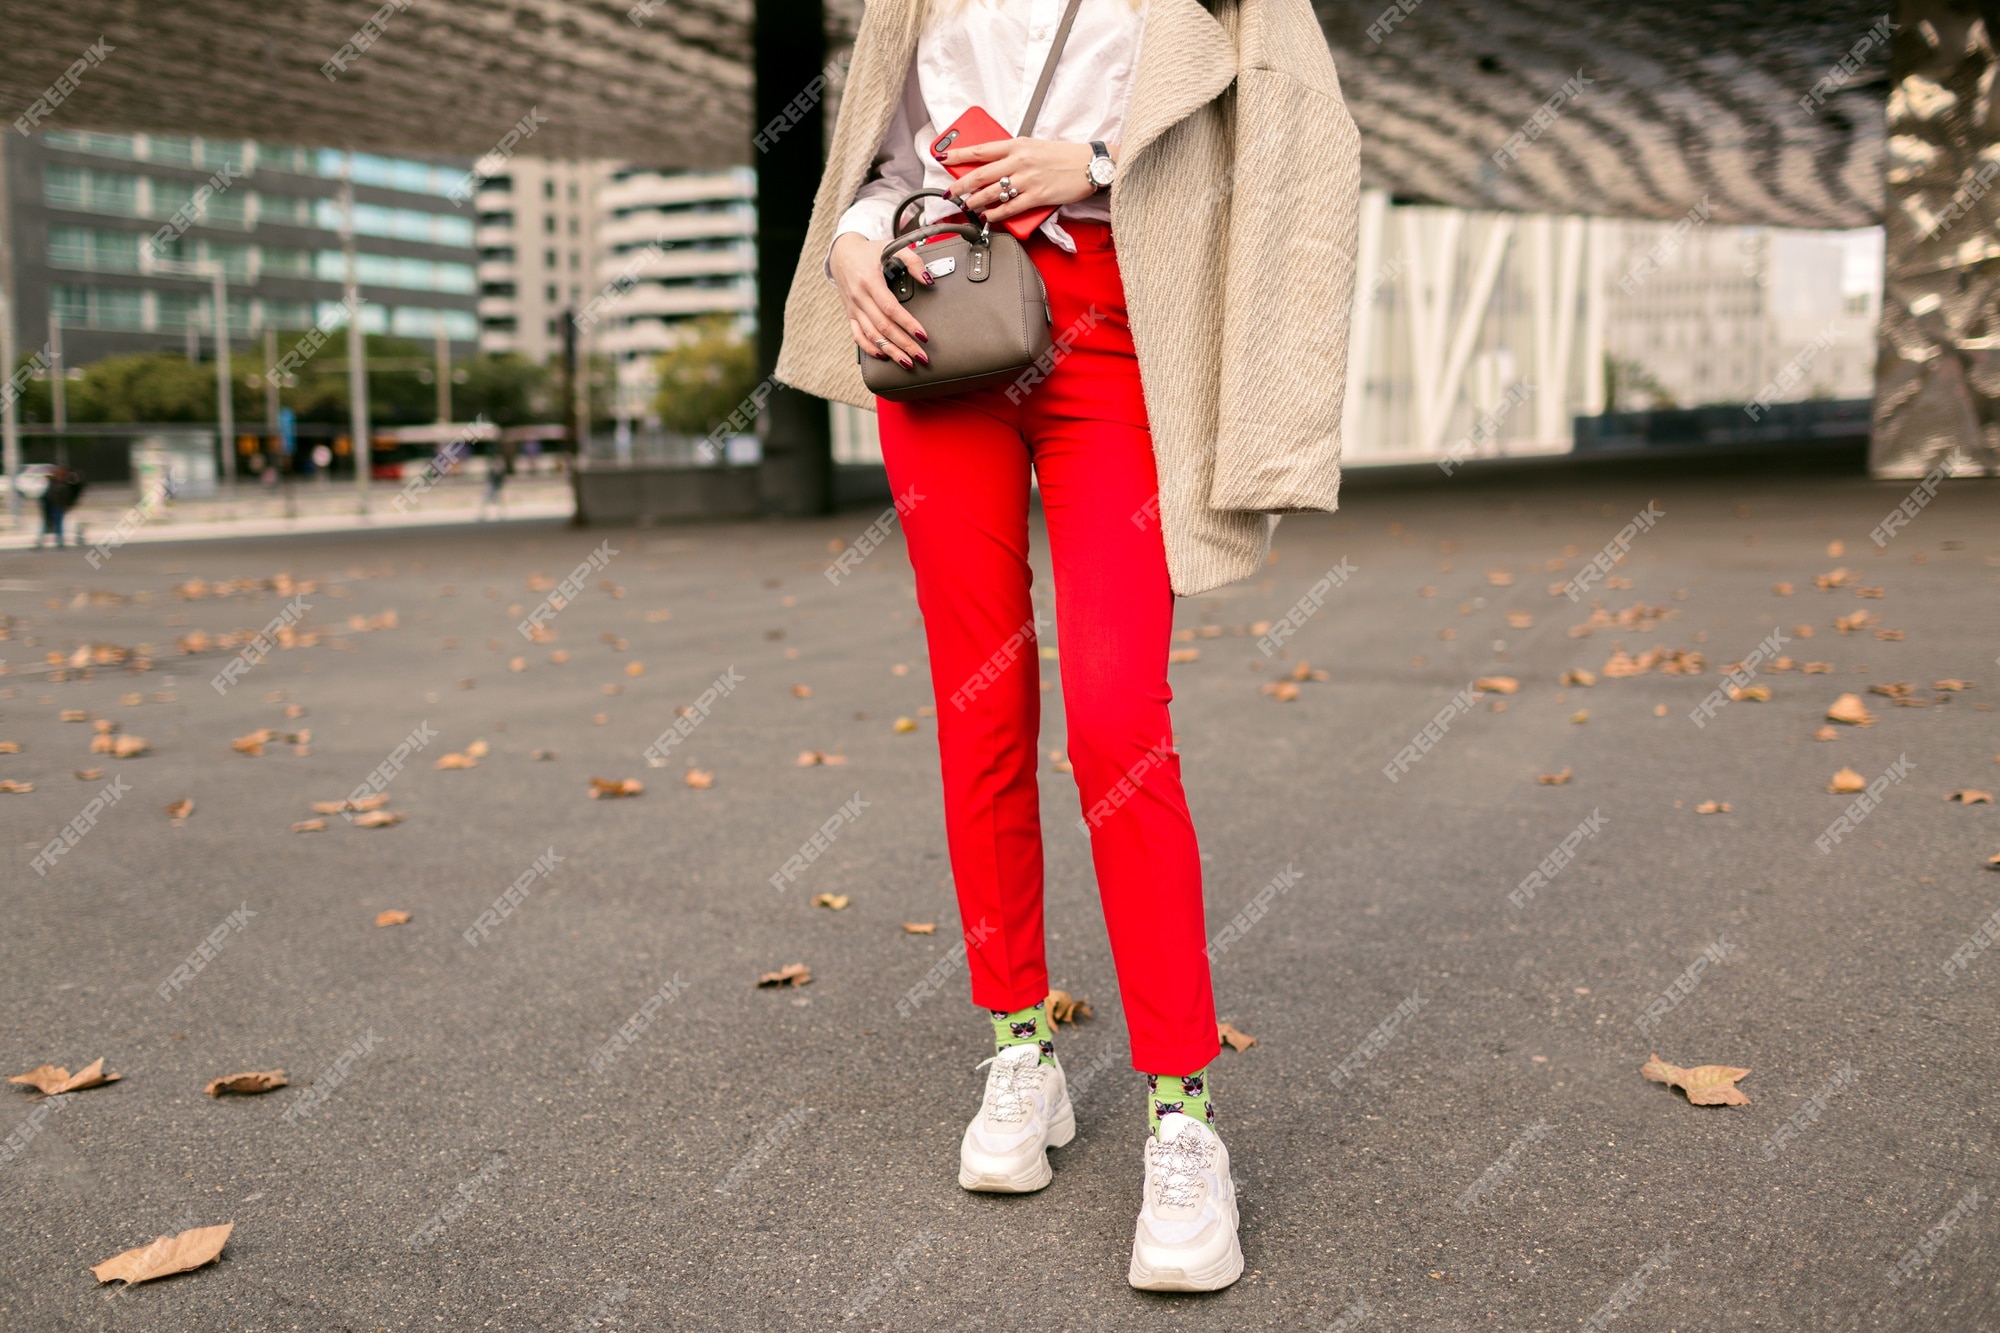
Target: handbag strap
{"points": [[1048, 69]]}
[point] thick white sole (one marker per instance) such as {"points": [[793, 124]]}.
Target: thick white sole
{"points": [[1032, 1174], [1167, 1276]]}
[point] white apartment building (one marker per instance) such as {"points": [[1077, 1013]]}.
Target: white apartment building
{"points": [[676, 245], [539, 248]]}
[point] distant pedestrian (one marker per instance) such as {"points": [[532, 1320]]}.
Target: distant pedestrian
{"points": [[498, 464], [65, 488]]}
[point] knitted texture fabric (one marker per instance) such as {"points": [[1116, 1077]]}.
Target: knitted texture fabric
{"points": [[1235, 212]]}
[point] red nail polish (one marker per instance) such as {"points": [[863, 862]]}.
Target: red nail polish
{"points": [[921, 357], [923, 337]]}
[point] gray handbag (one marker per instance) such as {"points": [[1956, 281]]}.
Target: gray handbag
{"points": [[987, 312]]}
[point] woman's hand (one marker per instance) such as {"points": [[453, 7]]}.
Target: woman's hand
{"points": [[1046, 173], [881, 326]]}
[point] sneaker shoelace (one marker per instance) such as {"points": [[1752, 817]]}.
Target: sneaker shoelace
{"points": [[1178, 1168], [1011, 1089]]}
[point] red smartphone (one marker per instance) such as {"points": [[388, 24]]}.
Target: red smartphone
{"points": [[976, 127]]}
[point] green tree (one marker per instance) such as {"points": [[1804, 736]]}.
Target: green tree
{"points": [[507, 389], [706, 377]]}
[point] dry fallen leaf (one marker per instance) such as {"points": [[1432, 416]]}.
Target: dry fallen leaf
{"points": [[254, 743], [1712, 808], [377, 819], [10, 747], [375, 802], [169, 1254], [247, 1084], [906, 724], [89, 774], [456, 761], [310, 826], [1499, 578], [1284, 691], [802, 691], [791, 974], [1497, 684], [635, 668], [701, 779], [1555, 779], [478, 749], [1705, 1085], [1949, 685], [16, 788], [1782, 589], [181, 809], [1971, 796], [1179, 655], [1993, 861], [1580, 716], [392, 917], [1065, 1008], [836, 901], [930, 927], [1848, 708], [1847, 780], [1520, 620], [54, 1079], [75, 715], [1827, 734], [1757, 694], [1239, 1041], [1579, 676], [128, 747], [542, 756], [606, 789]]}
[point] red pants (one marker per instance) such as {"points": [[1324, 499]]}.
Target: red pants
{"points": [[1083, 430]]}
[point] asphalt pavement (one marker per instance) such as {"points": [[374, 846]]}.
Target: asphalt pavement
{"points": [[556, 1098]]}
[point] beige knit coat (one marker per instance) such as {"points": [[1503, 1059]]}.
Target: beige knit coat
{"points": [[1235, 211]]}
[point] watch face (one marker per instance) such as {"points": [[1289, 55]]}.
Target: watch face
{"points": [[1101, 169]]}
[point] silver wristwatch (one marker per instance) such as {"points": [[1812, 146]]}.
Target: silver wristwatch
{"points": [[1102, 169]]}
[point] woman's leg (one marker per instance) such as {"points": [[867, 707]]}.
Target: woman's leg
{"points": [[1114, 609], [959, 470]]}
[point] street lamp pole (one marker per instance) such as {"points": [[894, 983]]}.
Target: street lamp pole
{"points": [[357, 353], [225, 387]]}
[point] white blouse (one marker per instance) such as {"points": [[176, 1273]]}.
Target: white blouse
{"points": [[989, 53]]}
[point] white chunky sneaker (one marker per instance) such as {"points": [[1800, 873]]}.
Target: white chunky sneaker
{"points": [[1026, 1112], [1186, 1237]]}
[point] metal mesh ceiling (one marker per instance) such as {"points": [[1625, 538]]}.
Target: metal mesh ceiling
{"points": [[1685, 100]]}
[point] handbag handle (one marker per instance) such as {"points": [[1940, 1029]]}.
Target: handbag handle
{"points": [[976, 235], [896, 224]]}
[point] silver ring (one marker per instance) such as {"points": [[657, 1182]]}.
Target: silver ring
{"points": [[1006, 184], [881, 342]]}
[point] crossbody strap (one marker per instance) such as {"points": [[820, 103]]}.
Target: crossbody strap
{"points": [[1049, 68]]}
